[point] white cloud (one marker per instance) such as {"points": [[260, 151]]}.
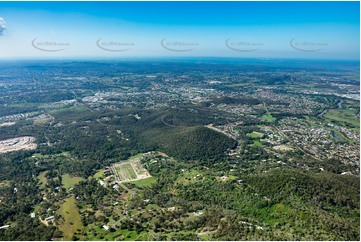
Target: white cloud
{"points": [[2, 26]]}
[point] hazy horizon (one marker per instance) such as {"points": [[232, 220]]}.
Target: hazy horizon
{"points": [[91, 30]]}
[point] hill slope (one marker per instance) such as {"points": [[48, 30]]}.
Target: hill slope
{"points": [[192, 143]]}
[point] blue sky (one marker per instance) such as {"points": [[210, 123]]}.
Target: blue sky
{"points": [[316, 30]]}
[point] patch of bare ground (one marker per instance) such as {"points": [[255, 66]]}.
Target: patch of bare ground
{"points": [[19, 143]]}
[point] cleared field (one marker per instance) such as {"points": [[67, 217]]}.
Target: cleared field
{"points": [[147, 182], [71, 220], [4, 183], [128, 171], [119, 235], [282, 148], [189, 177], [42, 179], [132, 170], [43, 118], [7, 124], [140, 155], [237, 85], [345, 116], [268, 118], [255, 135], [257, 143], [70, 181], [20, 143], [99, 174]]}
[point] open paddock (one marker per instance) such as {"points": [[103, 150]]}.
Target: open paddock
{"points": [[131, 170]]}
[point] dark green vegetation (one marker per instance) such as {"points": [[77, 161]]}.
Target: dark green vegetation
{"points": [[194, 143], [287, 204], [229, 182]]}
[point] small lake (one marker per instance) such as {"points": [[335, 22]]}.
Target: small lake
{"points": [[335, 136]]}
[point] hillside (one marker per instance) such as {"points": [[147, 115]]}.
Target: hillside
{"points": [[192, 143]]}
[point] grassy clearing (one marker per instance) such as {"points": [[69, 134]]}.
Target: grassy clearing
{"points": [[257, 143], [351, 103], [70, 181], [125, 234], [74, 108], [42, 179], [63, 154], [237, 85], [4, 183], [41, 121], [269, 214], [226, 178], [344, 116], [140, 155], [268, 118], [207, 235], [145, 182], [312, 124], [255, 135], [99, 174], [128, 169], [189, 177], [152, 206], [276, 213], [37, 155], [71, 218]]}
